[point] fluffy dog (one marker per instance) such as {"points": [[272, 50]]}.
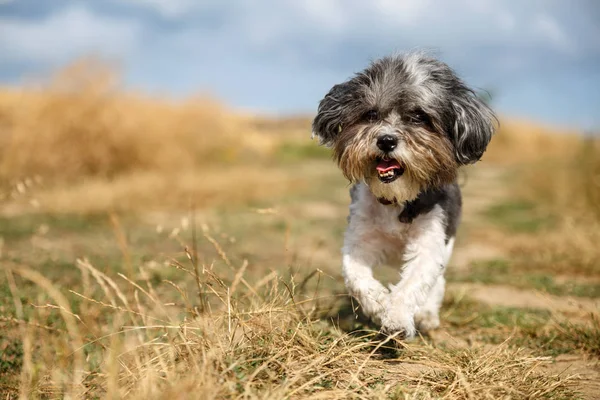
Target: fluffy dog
{"points": [[399, 131]]}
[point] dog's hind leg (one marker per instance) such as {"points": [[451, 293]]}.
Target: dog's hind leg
{"points": [[428, 316]]}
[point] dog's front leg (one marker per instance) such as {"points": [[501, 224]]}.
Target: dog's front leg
{"points": [[358, 262], [425, 260]]}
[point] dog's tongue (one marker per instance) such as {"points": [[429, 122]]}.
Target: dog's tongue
{"points": [[387, 165]]}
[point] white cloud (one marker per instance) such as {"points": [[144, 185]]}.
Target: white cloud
{"points": [[317, 31], [70, 33], [506, 20], [173, 9], [547, 28], [406, 13], [325, 14]]}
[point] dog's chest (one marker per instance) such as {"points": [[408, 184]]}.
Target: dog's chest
{"points": [[378, 224]]}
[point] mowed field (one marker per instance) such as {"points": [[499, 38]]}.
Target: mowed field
{"points": [[154, 248]]}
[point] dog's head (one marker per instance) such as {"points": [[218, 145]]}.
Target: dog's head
{"points": [[404, 124]]}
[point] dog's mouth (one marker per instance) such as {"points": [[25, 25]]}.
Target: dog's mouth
{"points": [[388, 169]]}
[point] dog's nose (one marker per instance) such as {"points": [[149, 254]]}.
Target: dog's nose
{"points": [[387, 143]]}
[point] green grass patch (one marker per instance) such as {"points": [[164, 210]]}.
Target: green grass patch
{"points": [[529, 318], [11, 355], [23, 226], [502, 272], [464, 311], [523, 327], [310, 150], [555, 338], [563, 339], [569, 288], [519, 216]]}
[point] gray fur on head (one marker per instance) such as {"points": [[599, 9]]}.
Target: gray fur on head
{"points": [[407, 84]]}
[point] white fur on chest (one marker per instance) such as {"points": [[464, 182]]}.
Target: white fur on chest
{"points": [[373, 222]]}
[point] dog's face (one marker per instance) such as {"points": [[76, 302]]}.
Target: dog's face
{"points": [[402, 125]]}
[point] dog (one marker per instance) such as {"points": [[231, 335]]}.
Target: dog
{"points": [[399, 131]]}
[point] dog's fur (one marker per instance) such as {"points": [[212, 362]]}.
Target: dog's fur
{"points": [[436, 124]]}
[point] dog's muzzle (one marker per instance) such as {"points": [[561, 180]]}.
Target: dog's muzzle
{"points": [[388, 169]]}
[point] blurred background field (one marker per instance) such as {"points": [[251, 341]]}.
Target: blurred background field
{"points": [[168, 229]]}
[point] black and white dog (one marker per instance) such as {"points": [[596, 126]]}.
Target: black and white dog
{"points": [[399, 131]]}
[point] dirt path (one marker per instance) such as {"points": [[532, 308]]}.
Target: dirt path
{"points": [[508, 296], [585, 372]]}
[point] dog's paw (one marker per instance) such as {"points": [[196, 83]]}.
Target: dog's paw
{"points": [[372, 297], [427, 321], [398, 321]]}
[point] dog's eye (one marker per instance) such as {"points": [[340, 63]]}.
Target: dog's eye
{"points": [[419, 117], [371, 116]]}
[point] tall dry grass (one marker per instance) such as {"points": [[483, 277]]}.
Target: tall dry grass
{"points": [[80, 125], [519, 142], [559, 173], [568, 188], [570, 182], [556, 168]]}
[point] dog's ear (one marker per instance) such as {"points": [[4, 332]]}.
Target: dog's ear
{"points": [[474, 125], [328, 122]]}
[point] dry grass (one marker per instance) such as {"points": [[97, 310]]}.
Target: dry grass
{"points": [[564, 186], [80, 125], [230, 339], [570, 182], [519, 141]]}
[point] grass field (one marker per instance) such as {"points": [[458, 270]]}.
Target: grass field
{"points": [[153, 248]]}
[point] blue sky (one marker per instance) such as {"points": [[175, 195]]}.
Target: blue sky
{"points": [[540, 58]]}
